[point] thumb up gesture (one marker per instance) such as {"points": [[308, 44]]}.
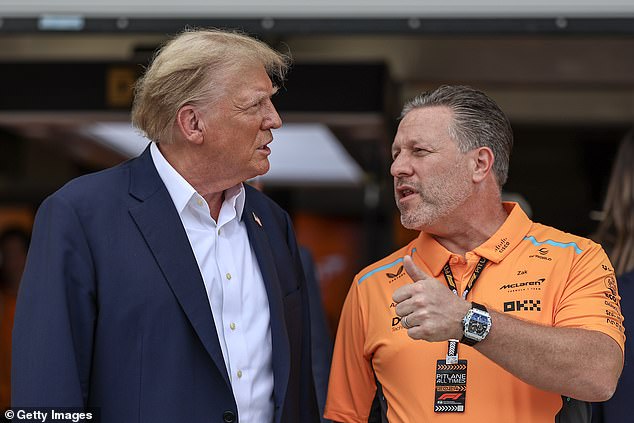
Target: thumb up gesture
{"points": [[429, 310]]}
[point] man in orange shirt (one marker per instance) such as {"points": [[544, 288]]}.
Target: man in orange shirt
{"points": [[486, 316]]}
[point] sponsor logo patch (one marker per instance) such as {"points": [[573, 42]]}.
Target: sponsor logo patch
{"points": [[452, 396], [615, 324], [396, 324], [395, 276], [522, 305], [502, 245], [523, 286], [542, 254], [610, 283]]}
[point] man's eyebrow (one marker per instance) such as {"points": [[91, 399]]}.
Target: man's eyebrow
{"points": [[267, 94], [260, 95]]}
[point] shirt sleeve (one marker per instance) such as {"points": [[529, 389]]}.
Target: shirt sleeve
{"points": [[351, 387], [590, 298]]}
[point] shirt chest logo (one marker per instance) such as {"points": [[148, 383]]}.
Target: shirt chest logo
{"points": [[396, 321], [394, 276], [535, 285], [522, 305], [541, 254]]}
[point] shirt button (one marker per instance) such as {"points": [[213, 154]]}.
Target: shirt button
{"points": [[228, 417], [199, 201], [219, 230], [232, 326], [228, 275], [239, 374]]}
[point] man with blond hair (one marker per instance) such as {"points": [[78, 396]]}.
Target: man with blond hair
{"points": [[165, 289]]}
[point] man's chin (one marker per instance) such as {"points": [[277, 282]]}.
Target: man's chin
{"points": [[265, 166], [261, 169], [414, 225]]}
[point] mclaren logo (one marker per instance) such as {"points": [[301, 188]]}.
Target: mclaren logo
{"points": [[521, 286], [394, 276]]}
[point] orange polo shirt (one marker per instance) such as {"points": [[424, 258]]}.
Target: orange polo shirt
{"points": [[535, 272]]}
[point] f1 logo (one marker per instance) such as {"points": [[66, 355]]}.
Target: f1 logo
{"points": [[452, 396]]}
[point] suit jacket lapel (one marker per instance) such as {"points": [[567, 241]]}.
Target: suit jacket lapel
{"points": [[279, 335], [163, 231]]}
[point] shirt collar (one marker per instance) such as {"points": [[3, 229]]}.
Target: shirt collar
{"points": [[236, 197], [181, 191], [508, 236], [498, 246]]}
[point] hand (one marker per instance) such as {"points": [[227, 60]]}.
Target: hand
{"points": [[434, 313]]}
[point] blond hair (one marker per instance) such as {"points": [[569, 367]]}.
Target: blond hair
{"points": [[616, 230], [192, 68]]}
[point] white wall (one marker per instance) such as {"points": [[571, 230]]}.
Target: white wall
{"points": [[322, 8]]}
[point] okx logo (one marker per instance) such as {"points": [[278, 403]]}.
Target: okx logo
{"points": [[522, 305]]}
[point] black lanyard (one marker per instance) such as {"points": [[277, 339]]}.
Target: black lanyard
{"points": [[452, 348]]}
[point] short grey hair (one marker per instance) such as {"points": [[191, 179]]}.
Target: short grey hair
{"points": [[477, 122], [192, 69]]}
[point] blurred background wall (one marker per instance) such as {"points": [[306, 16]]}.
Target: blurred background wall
{"points": [[562, 70]]}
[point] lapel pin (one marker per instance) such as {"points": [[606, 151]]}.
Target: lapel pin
{"points": [[257, 219]]}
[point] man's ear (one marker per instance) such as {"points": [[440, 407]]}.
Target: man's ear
{"points": [[189, 123], [483, 160]]}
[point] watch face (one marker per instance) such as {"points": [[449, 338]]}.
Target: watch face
{"points": [[478, 325]]}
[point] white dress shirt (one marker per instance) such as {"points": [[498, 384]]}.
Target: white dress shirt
{"points": [[234, 285]]}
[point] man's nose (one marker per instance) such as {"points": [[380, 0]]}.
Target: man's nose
{"points": [[272, 119], [400, 166]]}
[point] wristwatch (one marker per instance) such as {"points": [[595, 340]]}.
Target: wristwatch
{"points": [[476, 324]]}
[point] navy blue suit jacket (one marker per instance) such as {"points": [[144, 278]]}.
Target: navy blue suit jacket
{"points": [[320, 338], [112, 311]]}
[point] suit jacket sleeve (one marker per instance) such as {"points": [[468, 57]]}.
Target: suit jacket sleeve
{"points": [[320, 339], [309, 410], [55, 313]]}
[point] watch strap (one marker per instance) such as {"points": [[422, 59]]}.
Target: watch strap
{"points": [[468, 341], [478, 306]]}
